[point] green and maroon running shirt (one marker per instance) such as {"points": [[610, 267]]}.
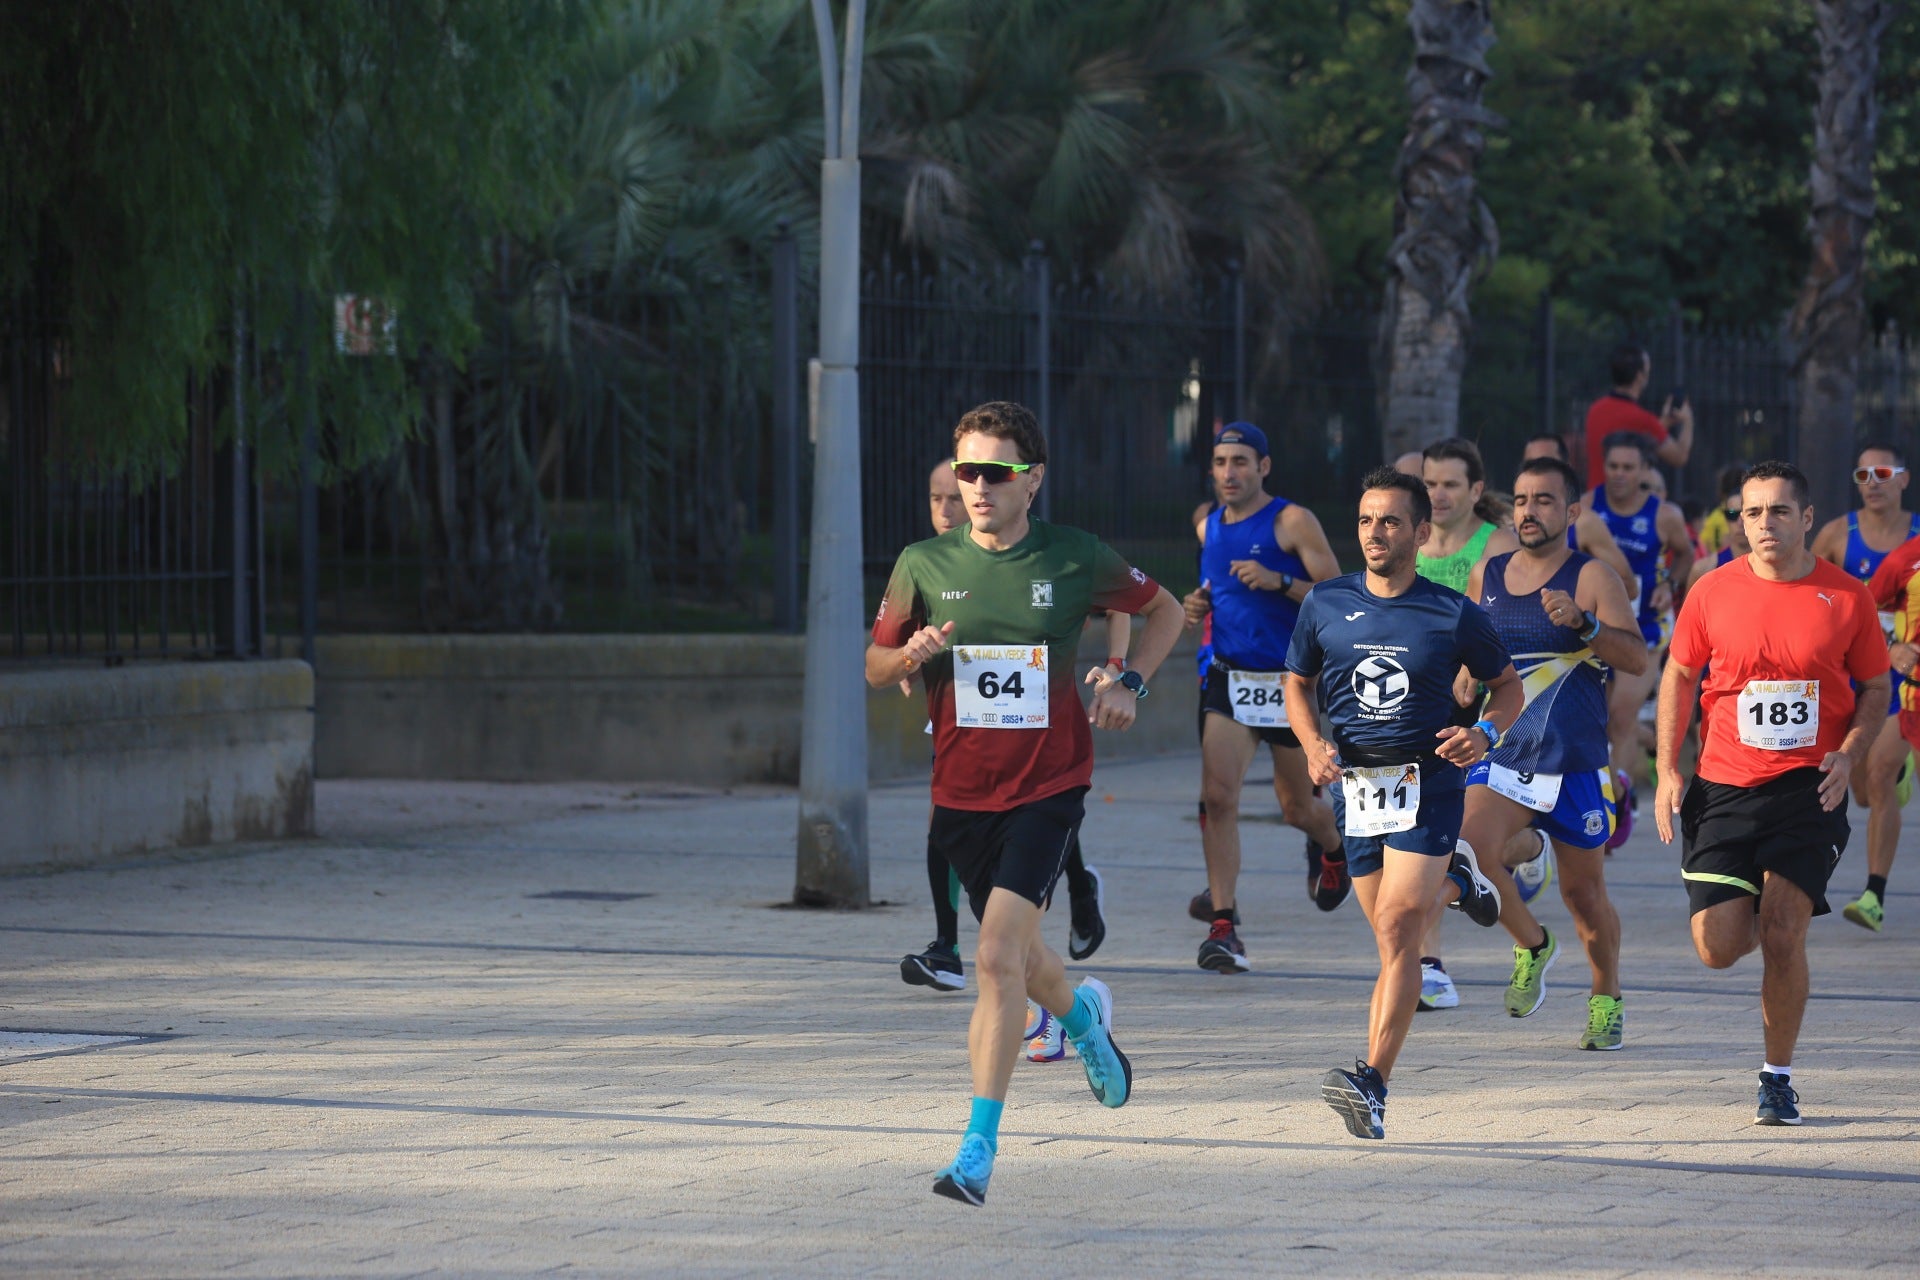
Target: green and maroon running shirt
{"points": [[1008, 724]]}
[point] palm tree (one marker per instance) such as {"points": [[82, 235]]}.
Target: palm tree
{"points": [[1139, 140], [1444, 234], [1830, 318]]}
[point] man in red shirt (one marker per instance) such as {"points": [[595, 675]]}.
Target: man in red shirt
{"points": [[1619, 410], [1896, 591], [1765, 820]]}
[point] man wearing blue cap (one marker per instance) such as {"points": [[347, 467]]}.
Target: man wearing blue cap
{"points": [[1259, 555]]}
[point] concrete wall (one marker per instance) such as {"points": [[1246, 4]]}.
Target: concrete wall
{"points": [[95, 763], [714, 710]]}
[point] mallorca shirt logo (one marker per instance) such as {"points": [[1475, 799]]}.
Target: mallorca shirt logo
{"points": [[1043, 595], [1380, 683]]}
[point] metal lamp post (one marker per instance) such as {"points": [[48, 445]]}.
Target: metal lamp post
{"points": [[831, 860]]}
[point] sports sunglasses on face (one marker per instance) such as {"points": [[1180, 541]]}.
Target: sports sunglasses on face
{"points": [[991, 472], [1880, 474]]}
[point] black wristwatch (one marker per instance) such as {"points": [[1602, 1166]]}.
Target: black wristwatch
{"points": [[1132, 682]]}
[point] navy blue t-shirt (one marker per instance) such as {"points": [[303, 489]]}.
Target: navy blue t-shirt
{"points": [[1386, 666]]}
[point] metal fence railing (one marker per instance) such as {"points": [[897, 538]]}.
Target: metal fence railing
{"points": [[636, 459], [96, 564]]}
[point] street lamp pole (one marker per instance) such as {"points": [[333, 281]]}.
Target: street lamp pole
{"points": [[831, 863]]}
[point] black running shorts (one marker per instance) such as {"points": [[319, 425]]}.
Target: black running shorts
{"points": [[1216, 699], [1733, 835], [1020, 850]]}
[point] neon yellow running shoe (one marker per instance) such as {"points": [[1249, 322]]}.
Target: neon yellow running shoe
{"points": [[1605, 1021], [1903, 786], [1528, 987], [1865, 911]]}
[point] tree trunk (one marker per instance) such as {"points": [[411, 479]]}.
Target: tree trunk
{"points": [[1830, 319], [1444, 235]]}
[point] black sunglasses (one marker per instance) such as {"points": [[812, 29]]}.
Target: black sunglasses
{"points": [[991, 472]]}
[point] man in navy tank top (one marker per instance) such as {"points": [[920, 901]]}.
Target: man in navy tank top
{"points": [[1259, 556], [1645, 525], [1565, 619], [1858, 542], [1382, 649]]}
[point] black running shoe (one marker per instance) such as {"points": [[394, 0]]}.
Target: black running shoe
{"points": [[1089, 927], [1200, 907], [937, 967], [1328, 883], [1779, 1104], [1480, 901], [1360, 1098], [1222, 952]]}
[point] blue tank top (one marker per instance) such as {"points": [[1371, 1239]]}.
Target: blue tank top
{"points": [[1638, 534], [1863, 560], [1251, 629], [1564, 683]]}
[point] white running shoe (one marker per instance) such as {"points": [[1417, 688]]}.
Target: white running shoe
{"points": [[1046, 1042], [1436, 988], [1536, 873]]}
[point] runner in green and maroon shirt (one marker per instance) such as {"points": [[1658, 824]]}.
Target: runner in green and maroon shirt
{"points": [[990, 614]]}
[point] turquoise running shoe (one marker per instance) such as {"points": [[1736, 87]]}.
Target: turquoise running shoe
{"points": [[966, 1178], [1109, 1074]]}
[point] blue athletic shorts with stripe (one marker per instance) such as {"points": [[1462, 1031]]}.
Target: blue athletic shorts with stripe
{"points": [[1584, 815]]}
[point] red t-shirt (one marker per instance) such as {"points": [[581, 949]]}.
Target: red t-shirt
{"points": [[1820, 630], [1016, 618], [1610, 413]]}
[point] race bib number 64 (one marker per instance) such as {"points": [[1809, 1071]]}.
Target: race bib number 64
{"points": [[998, 686], [1779, 715]]}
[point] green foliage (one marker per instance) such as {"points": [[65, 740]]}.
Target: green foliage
{"points": [[1653, 150], [1138, 138], [175, 164]]}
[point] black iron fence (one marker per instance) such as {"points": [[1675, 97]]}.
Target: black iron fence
{"points": [[97, 565], [637, 460]]}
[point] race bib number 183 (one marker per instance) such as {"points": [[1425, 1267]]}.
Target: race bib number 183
{"points": [[998, 686], [1779, 715]]}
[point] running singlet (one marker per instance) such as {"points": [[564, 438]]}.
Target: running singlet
{"points": [[1565, 685], [1896, 588], [1638, 534], [1250, 628], [1017, 616], [1454, 570], [1863, 560], [1782, 656], [1386, 668]]}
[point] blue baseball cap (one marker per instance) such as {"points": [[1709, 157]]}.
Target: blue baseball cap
{"points": [[1243, 433]]}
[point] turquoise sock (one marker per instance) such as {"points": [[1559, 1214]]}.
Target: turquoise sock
{"points": [[1082, 1016], [985, 1120]]}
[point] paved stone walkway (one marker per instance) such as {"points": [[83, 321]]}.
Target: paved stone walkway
{"points": [[386, 1052]]}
